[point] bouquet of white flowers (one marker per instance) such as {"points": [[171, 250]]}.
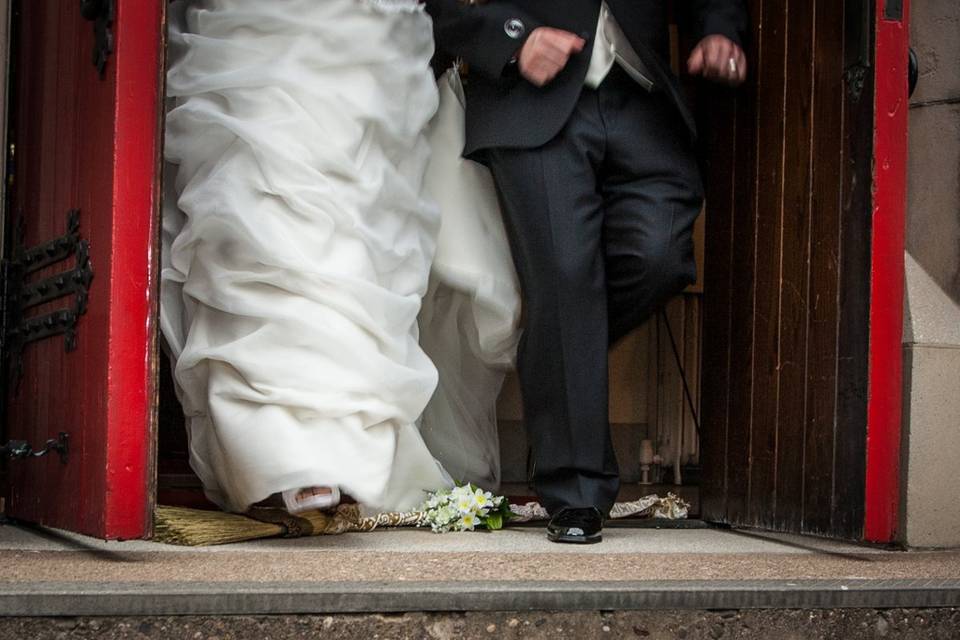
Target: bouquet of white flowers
{"points": [[465, 508]]}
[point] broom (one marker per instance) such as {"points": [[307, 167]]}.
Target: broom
{"points": [[197, 527]]}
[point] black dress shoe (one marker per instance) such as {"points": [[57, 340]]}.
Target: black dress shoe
{"points": [[576, 525]]}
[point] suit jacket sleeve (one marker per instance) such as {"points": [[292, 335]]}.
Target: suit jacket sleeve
{"points": [[478, 33], [715, 17]]}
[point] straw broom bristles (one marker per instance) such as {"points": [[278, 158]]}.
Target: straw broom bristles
{"points": [[196, 527]]}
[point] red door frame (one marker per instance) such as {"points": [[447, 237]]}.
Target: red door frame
{"points": [[128, 500], [128, 508], [885, 397], [137, 191]]}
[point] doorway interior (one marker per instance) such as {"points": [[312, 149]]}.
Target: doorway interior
{"points": [[767, 312], [773, 338], [654, 397]]}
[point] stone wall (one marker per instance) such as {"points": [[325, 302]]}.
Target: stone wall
{"points": [[931, 351]]}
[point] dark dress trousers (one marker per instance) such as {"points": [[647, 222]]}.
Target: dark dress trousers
{"points": [[600, 189]]}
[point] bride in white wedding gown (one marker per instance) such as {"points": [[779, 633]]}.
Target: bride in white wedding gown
{"points": [[298, 245]]}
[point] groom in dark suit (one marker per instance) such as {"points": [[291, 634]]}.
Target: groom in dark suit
{"points": [[572, 105]]}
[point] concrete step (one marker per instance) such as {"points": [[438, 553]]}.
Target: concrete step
{"points": [[51, 573], [94, 598]]}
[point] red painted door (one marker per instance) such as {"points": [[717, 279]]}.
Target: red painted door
{"points": [[83, 134], [804, 274]]}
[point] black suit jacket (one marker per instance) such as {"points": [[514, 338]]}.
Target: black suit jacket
{"points": [[504, 110]]}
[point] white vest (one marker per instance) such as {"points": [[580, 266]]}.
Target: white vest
{"points": [[611, 46]]}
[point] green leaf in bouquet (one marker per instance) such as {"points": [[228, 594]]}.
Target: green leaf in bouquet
{"points": [[494, 521]]}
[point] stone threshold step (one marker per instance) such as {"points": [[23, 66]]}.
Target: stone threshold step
{"points": [[177, 598]]}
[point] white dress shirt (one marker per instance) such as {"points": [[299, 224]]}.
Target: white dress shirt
{"points": [[612, 47]]}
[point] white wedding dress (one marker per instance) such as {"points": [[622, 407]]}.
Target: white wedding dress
{"points": [[298, 245]]}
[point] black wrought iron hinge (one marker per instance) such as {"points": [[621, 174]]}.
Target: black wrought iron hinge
{"points": [[26, 288], [21, 449], [102, 13]]}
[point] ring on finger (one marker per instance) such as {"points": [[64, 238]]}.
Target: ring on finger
{"points": [[732, 64]]}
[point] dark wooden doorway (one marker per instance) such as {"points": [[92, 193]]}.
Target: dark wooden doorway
{"points": [[788, 330]]}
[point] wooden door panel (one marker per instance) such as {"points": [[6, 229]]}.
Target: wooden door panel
{"points": [[824, 269], [88, 142], [46, 137], [787, 300], [849, 424], [794, 290], [770, 55], [738, 326]]}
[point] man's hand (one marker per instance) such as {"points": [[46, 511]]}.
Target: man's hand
{"points": [[546, 52], [718, 58]]}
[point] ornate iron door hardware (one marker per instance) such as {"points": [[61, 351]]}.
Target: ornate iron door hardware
{"points": [[102, 14], [21, 294], [21, 449]]}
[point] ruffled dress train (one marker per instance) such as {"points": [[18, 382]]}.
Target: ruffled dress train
{"points": [[298, 245]]}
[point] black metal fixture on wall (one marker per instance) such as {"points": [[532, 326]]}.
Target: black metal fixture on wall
{"points": [[22, 450], [23, 293]]}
